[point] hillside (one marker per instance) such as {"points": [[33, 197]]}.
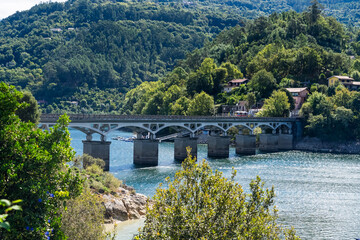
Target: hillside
{"points": [[283, 50], [93, 52]]}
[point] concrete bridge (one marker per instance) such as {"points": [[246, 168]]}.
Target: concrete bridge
{"points": [[279, 134]]}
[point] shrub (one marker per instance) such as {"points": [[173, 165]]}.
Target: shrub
{"points": [[111, 182], [95, 170], [33, 168], [88, 160], [83, 217]]}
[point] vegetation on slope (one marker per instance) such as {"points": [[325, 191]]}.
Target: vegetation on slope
{"points": [[102, 47], [283, 50], [62, 52]]}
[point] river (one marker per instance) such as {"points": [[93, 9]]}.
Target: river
{"points": [[318, 194]]}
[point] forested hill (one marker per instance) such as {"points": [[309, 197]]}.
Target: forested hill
{"points": [[284, 50], [93, 51], [54, 48]]}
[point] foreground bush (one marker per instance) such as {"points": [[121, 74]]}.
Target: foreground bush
{"points": [[33, 168], [202, 204], [83, 217]]}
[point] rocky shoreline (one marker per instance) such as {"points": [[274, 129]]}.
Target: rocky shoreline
{"points": [[124, 205], [317, 145]]}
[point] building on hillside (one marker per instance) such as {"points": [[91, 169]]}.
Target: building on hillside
{"points": [[230, 110], [234, 84], [56, 30], [299, 95], [240, 109], [348, 82]]}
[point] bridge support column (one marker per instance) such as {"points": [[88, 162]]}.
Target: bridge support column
{"points": [[269, 142], [218, 146], [285, 142], [180, 145], [98, 149], [246, 144], [146, 152]]}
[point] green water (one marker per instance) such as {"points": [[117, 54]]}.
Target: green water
{"points": [[318, 194]]}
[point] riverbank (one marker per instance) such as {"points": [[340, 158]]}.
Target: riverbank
{"points": [[317, 145]]}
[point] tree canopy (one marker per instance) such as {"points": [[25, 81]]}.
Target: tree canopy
{"points": [[277, 105]]}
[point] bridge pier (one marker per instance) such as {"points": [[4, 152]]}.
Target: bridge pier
{"points": [[98, 149], [246, 144], [146, 152], [218, 146], [180, 145], [285, 142], [269, 142]]}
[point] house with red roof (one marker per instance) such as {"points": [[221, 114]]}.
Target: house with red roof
{"points": [[234, 84]]}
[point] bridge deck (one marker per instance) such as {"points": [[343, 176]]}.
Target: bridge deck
{"points": [[52, 118]]}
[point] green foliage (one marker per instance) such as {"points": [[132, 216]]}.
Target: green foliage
{"points": [[201, 105], [290, 98], [332, 118], [263, 82], [29, 110], [251, 100], [180, 106], [34, 169], [105, 48], [277, 105], [9, 206], [202, 204], [55, 49], [83, 217], [202, 79], [86, 161], [97, 180]]}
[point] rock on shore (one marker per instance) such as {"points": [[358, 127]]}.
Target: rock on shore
{"points": [[124, 205]]}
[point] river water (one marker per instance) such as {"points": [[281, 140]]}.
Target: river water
{"points": [[318, 194]]}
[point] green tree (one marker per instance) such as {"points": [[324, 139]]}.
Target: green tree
{"points": [[316, 104], [29, 111], [202, 204], [232, 71], [33, 168], [251, 100], [202, 104], [202, 79], [290, 98], [263, 82], [277, 105], [180, 106], [314, 11]]}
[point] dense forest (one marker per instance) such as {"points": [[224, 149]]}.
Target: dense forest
{"points": [[283, 50], [83, 56], [56, 49]]}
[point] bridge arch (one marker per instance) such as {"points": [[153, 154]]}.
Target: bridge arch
{"points": [[174, 126], [210, 125], [287, 126], [133, 127], [241, 125]]}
